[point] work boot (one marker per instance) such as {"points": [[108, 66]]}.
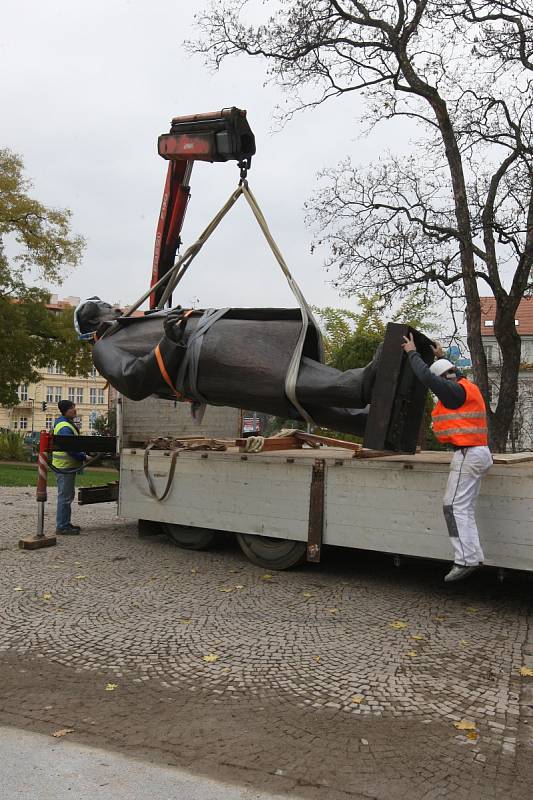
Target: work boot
{"points": [[459, 571], [69, 530]]}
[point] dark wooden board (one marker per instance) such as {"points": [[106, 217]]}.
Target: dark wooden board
{"points": [[398, 398]]}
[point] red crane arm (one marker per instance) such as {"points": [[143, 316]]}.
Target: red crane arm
{"points": [[218, 136]]}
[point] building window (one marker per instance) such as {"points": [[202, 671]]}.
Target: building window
{"points": [[23, 392], [92, 397], [49, 394], [23, 423], [54, 368], [79, 422], [489, 323], [49, 423], [101, 397], [93, 373], [72, 394], [58, 393], [488, 352], [79, 395]]}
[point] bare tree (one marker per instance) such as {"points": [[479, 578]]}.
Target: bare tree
{"points": [[457, 212]]}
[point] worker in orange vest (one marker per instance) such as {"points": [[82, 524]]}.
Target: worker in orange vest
{"points": [[460, 420]]}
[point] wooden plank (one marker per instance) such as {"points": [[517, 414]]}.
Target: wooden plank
{"points": [[272, 443], [511, 458], [313, 438], [366, 453]]}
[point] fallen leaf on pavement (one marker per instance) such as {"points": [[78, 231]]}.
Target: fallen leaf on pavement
{"points": [[239, 586], [473, 736], [418, 637], [18, 589], [439, 618], [317, 658], [307, 594], [211, 658], [79, 577], [332, 610], [411, 653], [398, 625], [225, 589], [47, 596], [464, 642], [185, 621], [526, 672], [110, 687], [62, 732], [464, 725], [358, 698], [472, 610], [266, 577]]}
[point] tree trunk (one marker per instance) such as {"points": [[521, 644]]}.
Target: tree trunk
{"points": [[509, 342]]}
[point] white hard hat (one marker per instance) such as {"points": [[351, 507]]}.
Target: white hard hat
{"points": [[440, 366]]}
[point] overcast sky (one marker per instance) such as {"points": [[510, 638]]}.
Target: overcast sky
{"points": [[87, 88]]}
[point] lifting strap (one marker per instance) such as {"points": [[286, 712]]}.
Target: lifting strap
{"points": [[174, 276], [178, 446]]}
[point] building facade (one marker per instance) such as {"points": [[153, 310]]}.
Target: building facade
{"points": [[521, 436], [37, 407]]}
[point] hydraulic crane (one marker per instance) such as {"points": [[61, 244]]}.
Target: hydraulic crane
{"points": [[216, 136]]}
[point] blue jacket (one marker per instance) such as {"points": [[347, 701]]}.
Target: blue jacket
{"points": [[66, 432]]}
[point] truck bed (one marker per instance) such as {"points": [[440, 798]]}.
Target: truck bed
{"points": [[389, 503]]}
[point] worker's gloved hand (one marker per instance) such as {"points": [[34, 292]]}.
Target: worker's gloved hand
{"points": [[173, 324], [409, 345], [438, 352]]}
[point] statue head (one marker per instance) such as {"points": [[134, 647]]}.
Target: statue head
{"points": [[94, 315]]}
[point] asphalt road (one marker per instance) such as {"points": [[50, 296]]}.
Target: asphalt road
{"points": [[41, 767]]}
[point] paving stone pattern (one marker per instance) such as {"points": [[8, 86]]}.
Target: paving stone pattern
{"points": [[349, 647]]}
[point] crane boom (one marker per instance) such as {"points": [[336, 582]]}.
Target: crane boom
{"points": [[215, 136]]}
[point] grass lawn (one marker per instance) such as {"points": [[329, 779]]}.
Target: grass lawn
{"points": [[26, 475]]}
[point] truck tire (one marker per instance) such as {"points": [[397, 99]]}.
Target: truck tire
{"points": [[271, 553], [188, 537]]}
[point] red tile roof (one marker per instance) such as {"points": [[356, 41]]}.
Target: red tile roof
{"points": [[524, 315]]}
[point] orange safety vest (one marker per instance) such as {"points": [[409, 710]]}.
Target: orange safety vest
{"points": [[465, 426]]}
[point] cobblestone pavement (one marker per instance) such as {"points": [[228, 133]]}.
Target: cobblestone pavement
{"points": [[353, 679]]}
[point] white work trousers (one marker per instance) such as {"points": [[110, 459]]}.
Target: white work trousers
{"points": [[468, 466]]}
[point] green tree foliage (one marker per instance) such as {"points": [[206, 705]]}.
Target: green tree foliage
{"points": [[351, 338], [41, 247], [106, 424]]}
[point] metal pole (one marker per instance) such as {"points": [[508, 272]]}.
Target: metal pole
{"points": [[45, 443], [32, 401]]}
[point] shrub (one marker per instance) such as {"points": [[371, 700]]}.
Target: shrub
{"points": [[12, 447]]}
